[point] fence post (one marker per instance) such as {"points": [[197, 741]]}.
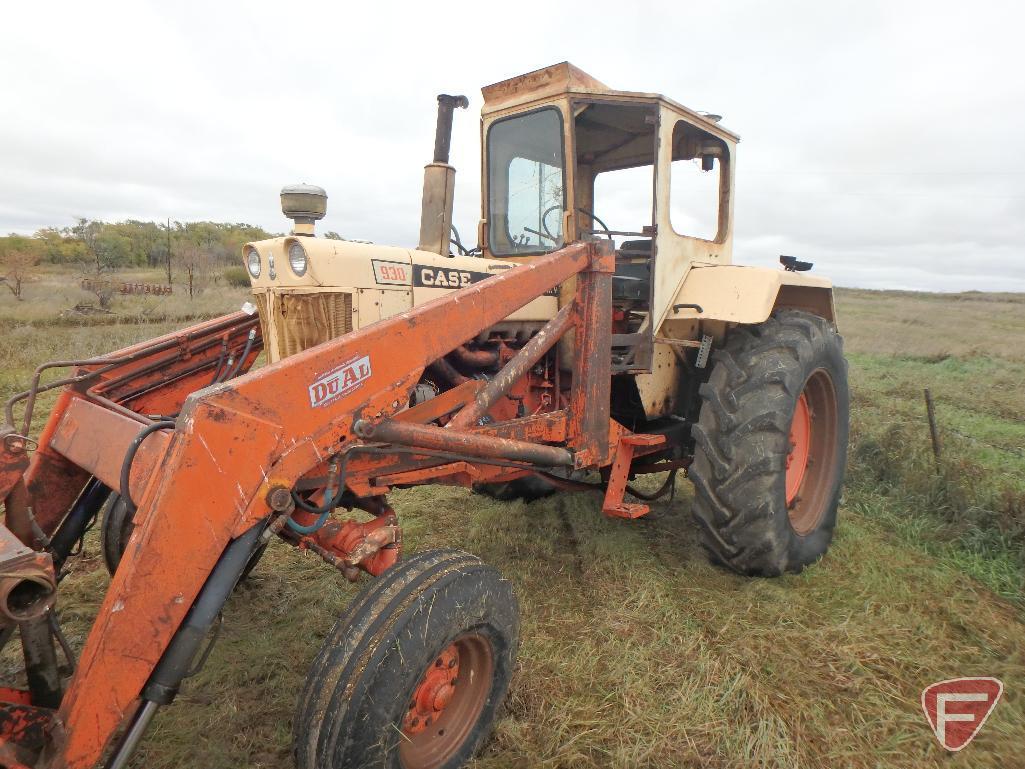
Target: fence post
{"points": [[933, 431]]}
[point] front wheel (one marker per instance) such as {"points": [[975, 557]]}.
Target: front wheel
{"points": [[771, 445], [411, 676]]}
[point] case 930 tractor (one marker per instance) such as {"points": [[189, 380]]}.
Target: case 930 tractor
{"points": [[568, 350]]}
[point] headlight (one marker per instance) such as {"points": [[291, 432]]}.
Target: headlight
{"points": [[297, 259], [253, 263]]}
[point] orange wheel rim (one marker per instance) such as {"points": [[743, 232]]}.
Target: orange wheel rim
{"points": [[811, 464], [446, 703], [800, 445]]}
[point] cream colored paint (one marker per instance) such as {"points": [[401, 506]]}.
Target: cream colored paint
{"points": [[687, 269], [735, 293], [659, 390], [345, 266]]}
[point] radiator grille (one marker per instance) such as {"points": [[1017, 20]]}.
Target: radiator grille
{"points": [[261, 309], [306, 320]]}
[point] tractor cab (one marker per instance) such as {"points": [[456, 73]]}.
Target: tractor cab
{"points": [[568, 159]]}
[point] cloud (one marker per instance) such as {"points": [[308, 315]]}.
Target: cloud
{"points": [[883, 141]]}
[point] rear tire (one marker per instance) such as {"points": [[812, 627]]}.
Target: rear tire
{"points": [[771, 445], [372, 695]]}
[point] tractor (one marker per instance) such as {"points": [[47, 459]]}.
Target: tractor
{"points": [[566, 351]]}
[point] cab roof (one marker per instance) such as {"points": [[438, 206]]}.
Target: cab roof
{"points": [[564, 79]]}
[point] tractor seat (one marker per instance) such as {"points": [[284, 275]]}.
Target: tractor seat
{"points": [[635, 248], [631, 281]]}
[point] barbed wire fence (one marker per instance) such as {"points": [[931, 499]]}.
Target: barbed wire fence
{"points": [[935, 436]]}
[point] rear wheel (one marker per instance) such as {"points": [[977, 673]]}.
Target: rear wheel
{"points": [[771, 445], [412, 674]]}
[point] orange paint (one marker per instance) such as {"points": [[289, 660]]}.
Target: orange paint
{"points": [[800, 446]]}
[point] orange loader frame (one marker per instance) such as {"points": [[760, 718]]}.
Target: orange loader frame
{"points": [[219, 459]]}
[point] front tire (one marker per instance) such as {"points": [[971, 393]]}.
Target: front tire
{"points": [[412, 674], [771, 445]]}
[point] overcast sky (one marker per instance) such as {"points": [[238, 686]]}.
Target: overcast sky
{"points": [[885, 141]]}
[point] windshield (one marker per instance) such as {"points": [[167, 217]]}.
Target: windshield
{"points": [[525, 184]]}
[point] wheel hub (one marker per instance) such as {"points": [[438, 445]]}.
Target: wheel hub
{"points": [[448, 701], [434, 693]]}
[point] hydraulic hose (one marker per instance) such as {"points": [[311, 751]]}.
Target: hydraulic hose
{"points": [[299, 528], [220, 362], [242, 358], [666, 486], [332, 498], [126, 465]]}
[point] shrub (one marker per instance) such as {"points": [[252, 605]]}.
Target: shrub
{"points": [[236, 277]]}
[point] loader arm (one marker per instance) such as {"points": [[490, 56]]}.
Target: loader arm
{"points": [[236, 446]]}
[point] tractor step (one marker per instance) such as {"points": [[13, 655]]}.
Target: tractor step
{"points": [[628, 445]]}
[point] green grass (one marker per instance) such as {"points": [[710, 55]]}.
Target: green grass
{"points": [[637, 652], [968, 508]]}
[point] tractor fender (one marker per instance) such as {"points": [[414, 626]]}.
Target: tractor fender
{"points": [[739, 294]]}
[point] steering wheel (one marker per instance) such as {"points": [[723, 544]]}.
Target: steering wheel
{"points": [[544, 221]]}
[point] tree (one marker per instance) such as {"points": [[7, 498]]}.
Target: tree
{"points": [[98, 247], [194, 262], [86, 232], [112, 249], [18, 259]]}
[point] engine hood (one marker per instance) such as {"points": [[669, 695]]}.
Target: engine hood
{"points": [[343, 263]]}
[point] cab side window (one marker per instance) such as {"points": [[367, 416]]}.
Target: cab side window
{"points": [[697, 182]]}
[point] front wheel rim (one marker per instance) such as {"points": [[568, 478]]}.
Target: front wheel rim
{"points": [[447, 703], [811, 461]]}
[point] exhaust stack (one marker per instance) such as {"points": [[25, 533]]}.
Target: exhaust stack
{"points": [[439, 181]]}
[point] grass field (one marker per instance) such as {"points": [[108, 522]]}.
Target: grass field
{"points": [[636, 651]]}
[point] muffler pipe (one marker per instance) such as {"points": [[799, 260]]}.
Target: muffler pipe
{"points": [[443, 132], [439, 182]]}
